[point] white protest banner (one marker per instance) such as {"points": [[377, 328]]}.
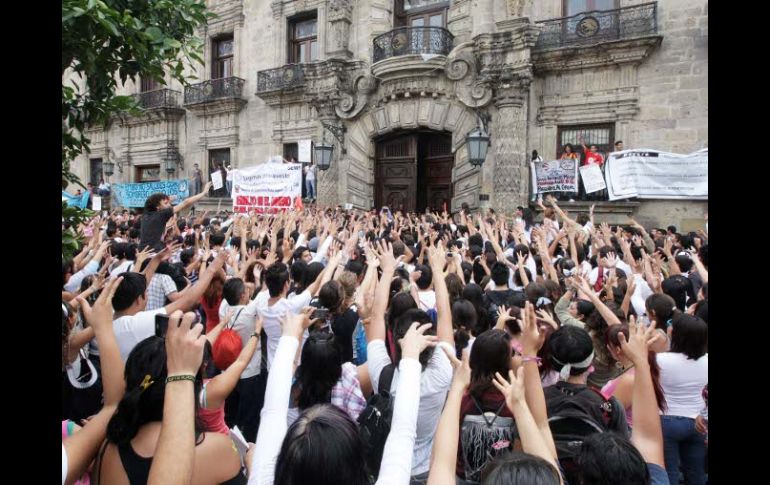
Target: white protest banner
{"points": [[304, 151], [268, 187], [96, 203], [555, 176], [216, 179], [654, 174], [593, 179]]}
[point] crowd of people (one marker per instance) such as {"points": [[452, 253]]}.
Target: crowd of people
{"points": [[332, 346]]}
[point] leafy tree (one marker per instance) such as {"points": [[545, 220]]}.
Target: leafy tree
{"points": [[107, 42]]}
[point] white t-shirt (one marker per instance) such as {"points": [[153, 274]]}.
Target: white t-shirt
{"points": [[594, 275], [427, 299], [271, 316], [682, 381], [244, 325], [122, 268], [434, 384], [132, 329]]}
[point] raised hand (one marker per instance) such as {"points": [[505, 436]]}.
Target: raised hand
{"points": [[636, 346], [184, 344], [531, 338], [513, 390], [100, 315], [462, 368], [415, 340], [503, 316]]}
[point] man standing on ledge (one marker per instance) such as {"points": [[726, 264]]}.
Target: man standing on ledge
{"points": [[157, 211]]}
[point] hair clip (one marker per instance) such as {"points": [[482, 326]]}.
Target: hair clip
{"points": [[147, 382]]}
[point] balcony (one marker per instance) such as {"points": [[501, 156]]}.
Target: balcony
{"points": [[412, 40], [281, 78], [225, 89], [588, 28], [158, 99]]}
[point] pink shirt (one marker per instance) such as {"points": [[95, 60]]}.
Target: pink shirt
{"points": [[609, 389]]}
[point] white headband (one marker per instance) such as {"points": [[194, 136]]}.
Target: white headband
{"points": [[567, 368], [542, 301]]}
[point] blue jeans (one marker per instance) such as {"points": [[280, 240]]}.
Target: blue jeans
{"points": [[310, 186], [229, 185], [684, 446]]}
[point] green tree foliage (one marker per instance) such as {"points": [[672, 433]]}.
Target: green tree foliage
{"points": [[107, 42]]}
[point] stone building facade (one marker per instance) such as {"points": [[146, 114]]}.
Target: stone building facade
{"points": [[397, 85]]}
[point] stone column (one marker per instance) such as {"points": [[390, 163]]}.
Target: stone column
{"points": [[509, 142], [327, 181]]}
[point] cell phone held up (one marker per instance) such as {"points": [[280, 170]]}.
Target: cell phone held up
{"points": [[161, 324]]}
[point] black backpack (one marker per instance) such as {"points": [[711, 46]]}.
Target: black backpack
{"points": [[576, 412], [374, 421], [482, 437]]}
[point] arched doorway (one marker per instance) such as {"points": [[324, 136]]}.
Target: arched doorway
{"points": [[414, 171]]}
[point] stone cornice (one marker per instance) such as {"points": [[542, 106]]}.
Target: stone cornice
{"points": [[596, 55], [153, 114]]}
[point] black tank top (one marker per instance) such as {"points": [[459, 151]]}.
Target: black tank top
{"points": [[138, 467]]}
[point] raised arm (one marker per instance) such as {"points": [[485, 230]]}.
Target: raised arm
{"points": [[190, 201], [376, 329], [81, 448], [222, 385], [174, 456], [444, 455], [647, 435], [193, 295], [603, 310], [444, 330]]}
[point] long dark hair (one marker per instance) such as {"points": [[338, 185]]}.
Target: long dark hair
{"points": [[517, 467], [320, 370], [143, 404], [322, 447], [491, 352], [475, 294], [614, 340]]}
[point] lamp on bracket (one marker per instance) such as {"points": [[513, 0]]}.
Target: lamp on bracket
{"points": [[323, 152], [108, 166], [477, 140]]}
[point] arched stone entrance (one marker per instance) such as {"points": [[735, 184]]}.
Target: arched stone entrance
{"points": [[357, 177]]}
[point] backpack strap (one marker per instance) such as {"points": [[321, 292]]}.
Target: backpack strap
{"points": [[489, 422], [234, 319], [386, 378]]}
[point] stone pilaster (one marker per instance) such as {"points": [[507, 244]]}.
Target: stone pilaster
{"points": [[328, 180], [509, 142], [340, 17]]}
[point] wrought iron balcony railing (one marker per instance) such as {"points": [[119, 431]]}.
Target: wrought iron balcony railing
{"points": [[599, 26], [288, 76], [158, 98], [412, 40], [215, 89]]}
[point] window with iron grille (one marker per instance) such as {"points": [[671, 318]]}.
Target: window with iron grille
{"points": [[572, 7], [222, 54], [601, 135], [291, 151], [421, 13], [303, 39]]}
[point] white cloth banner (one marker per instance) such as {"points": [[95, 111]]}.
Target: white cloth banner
{"points": [[268, 187], [593, 179], [96, 203], [304, 148], [216, 179], [654, 174], [555, 176]]}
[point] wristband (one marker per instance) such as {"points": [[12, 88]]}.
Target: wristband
{"points": [[255, 334], [183, 377], [532, 359]]}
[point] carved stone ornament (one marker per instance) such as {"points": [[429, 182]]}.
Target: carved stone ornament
{"points": [[460, 67], [516, 7], [351, 104], [340, 9]]}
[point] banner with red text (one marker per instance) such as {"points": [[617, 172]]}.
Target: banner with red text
{"points": [[269, 187]]}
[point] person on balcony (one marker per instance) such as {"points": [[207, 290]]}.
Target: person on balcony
{"points": [[197, 179], [104, 188], [310, 181], [567, 153], [592, 156], [229, 179]]}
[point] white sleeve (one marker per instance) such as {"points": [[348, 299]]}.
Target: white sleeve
{"points": [[274, 413], [298, 302], [63, 464], [396, 465], [300, 241], [320, 255], [532, 267], [73, 284], [377, 358]]}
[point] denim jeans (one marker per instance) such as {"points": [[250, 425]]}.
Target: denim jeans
{"points": [[229, 185], [310, 185], [684, 446]]}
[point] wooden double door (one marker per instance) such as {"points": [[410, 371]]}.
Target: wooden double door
{"points": [[414, 172]]}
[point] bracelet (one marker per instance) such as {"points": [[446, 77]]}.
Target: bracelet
{"points": [[532, 359], [255, 334], [183, 377]]}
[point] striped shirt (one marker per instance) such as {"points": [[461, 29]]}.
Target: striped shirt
{"points": [[346, 395]]}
